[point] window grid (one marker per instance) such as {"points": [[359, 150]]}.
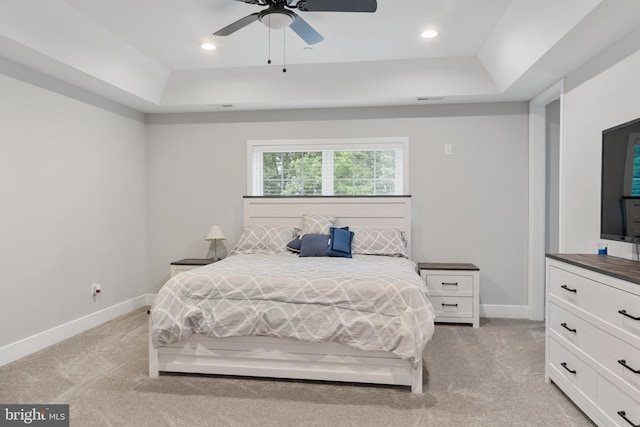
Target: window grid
{"points": [[288, 174], [375, 181]]}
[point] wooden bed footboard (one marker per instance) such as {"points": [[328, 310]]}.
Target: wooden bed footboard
{"points": [[283, 358]]}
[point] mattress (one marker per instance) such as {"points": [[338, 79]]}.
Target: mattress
{"points": [[374, 303]]}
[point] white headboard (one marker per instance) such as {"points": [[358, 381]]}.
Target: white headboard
{"points": [[361, 212]]}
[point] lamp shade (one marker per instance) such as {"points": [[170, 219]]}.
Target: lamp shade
{"points": [[215, 233]]}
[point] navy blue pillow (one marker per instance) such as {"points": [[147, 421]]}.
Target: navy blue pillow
{"points": [[314, 245], [294, 245], [340, 242]]}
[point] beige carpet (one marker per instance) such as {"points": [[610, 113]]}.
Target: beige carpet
{"points": [[492, 376]]}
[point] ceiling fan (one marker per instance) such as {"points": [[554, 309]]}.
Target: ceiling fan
{"points": [[277, 15]]}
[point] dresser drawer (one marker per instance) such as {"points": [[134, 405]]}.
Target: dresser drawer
{"points": [[461, 307], [614, 404], [575, 330], [574, 289], [611, 302], [449, 283], [573, 371], [620, 358]]}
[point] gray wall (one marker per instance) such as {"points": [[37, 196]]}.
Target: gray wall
{"points": [[468, 207], [598, 96], [72, 180], [552, 201]]}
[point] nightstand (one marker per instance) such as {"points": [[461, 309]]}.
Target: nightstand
{"points": [[188, 264], [454, 291]]}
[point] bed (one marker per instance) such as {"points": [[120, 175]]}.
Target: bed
{"points": [[275, 314]]}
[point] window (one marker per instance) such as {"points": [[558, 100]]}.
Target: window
{"points": [[350, 167]]}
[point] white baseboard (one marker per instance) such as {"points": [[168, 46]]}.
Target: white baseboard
{"points": [[504, 311], [26, 346]]}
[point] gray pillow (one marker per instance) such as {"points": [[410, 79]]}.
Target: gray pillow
{"points": [[294, 245], [264, 239], [379, 241], [314, 245], [316, 224]]}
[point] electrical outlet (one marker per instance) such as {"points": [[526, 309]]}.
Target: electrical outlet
{"points": [[95, 289]]}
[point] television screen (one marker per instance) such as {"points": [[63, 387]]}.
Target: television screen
{"points": [[620, 191]]}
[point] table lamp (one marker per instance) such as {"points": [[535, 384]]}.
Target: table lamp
{"points": [[215, 234]]}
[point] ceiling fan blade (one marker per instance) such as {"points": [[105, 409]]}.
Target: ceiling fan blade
{"points": [[240, 23], [338, 5], [305, 31]]}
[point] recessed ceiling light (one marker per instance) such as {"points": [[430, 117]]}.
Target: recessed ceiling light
{"points": [[429, 34], [208, 46]]}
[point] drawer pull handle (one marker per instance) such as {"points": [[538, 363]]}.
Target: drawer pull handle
{"points": [[564, 325], [624, 417], [571, 371], [449, 305], [624, 313], [566, 288], [624, 363], [449, 283]]}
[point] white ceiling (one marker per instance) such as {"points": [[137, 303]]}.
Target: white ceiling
{"points": [[146, 53], [171, 31]]}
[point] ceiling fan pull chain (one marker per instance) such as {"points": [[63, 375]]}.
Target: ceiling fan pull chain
{"points": [[269, 41], [284, 51]]}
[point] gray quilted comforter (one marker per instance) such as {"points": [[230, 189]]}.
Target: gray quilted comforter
{"points": [[367, 302]]}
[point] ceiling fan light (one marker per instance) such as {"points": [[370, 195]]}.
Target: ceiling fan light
{"points": [[276, 20], [429, 34]]}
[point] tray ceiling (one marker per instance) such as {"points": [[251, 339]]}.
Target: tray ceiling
{"points": [[146, 54]]}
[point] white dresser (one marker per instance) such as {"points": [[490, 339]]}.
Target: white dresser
{"points": [[593, 335]]}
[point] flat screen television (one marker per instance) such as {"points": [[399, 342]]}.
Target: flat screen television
{"points": [[620, 190]]}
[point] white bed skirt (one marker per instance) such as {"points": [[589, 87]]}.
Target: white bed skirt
{"points": [[283, 358]]}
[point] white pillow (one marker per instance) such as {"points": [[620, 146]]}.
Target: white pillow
{"points": [[264, 239]]}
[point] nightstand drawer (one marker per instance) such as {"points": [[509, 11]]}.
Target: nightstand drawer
{"points": [[459, 307], [449, 283], [188, 264], [177, 269]]}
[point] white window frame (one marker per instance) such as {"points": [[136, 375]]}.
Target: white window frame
{"points": [[255, 148]]}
